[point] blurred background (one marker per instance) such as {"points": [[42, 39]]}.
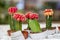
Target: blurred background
{"points": [[30, 5]]}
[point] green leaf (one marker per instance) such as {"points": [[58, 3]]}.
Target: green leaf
{"points": [[34, 25]]}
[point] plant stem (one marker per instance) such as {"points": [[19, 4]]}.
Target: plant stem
{"points": [[28, 24], [11, 22], [48, 22], [18, 25]]}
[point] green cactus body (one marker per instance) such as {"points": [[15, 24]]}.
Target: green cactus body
{"points": [[28, 24], [11, 22], [34, 25], [15, 25], [48, 22]]}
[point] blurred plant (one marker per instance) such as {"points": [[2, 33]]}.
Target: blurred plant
{"points": [[3, 11], [11, 12], [19, 18], [32, 22], [32, 8], [48, 13], [16, 19], [49, 5]]}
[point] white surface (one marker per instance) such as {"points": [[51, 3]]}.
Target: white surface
{"points": [[4, 28]]}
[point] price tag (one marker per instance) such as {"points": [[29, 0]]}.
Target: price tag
{"points": [[17, 36]]}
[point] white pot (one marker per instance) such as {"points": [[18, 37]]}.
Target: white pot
{"points": [[50, 36], [38, 35], [42, 35], [57, 36], [49, 32]]}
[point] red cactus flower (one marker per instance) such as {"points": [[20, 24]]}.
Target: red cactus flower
{"points": [[31, 15], [16, 16], [34, 15], [22, 18], [12, 10], [19, 17], [28, 14]]}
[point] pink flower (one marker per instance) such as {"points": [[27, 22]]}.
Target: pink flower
{"points": [[22, 18], [16, 16], [28, 14], [31, 15], [19, 17], [34, 15], [12, 10]]}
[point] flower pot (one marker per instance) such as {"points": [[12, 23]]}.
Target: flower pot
{"points": [[58, 28], [25, 33], [55, 36], [40, 35], [51, 31], [43, 34], [36, 35], [52, 28], [9, 32]]}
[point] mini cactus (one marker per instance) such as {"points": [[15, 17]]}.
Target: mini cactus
{"points": [[33, 24], [48, 13]]}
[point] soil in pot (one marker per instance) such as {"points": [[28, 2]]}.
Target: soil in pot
{"points": [[52, 28], [43, 29]]}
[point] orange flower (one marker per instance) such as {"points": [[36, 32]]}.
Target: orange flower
{"points": [[48, 12]]}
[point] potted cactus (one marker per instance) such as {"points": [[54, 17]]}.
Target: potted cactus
{"points": [[15, 21], [33, 24], [48, 14], [11, 12], [18, 18]]}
